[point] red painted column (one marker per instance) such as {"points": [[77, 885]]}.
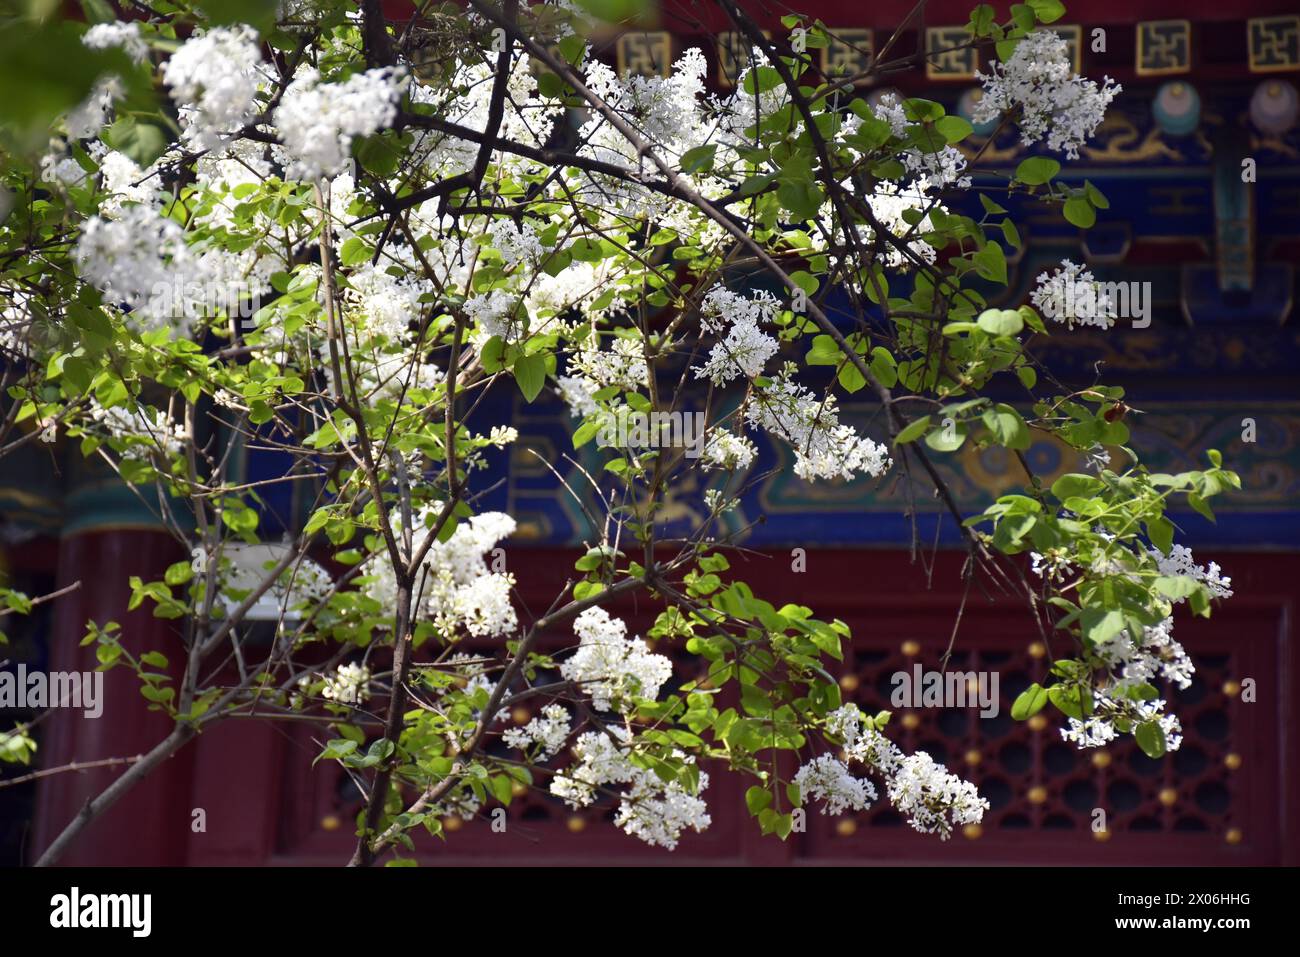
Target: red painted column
{"points": [[101, 548]]}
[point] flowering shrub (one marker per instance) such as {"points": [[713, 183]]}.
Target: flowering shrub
{"points": [[415, 217]]}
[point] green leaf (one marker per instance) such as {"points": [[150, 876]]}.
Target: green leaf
{"points": [[1071, 700], [257, 13], [1151, 739], [1029, 702], [991, 263], [1201, 506], [801, 197], [1047, 11], [1176, 586], [1161, 532], [982, 20], [954, 128], [1001, 322], [699, 159], [1076, 484], [757, 799], [947, 439], [530, 373], [913, 430], [141, 140], [1079, 212], [1037, 170], [1007, 426], [155, 659], [1095, 196]]}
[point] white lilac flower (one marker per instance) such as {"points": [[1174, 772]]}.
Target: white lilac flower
{"points": [[827, 779], [1072, 295], [599, 760], [140, 259], [144, 430], [496, 314], [728, 451], [823, 447], [516, 244], [548, 732], [104, 36], [651, 809], [578, 393], [1054, 566], [466, 101], [933, 800], [503, 435], [745, 349], [461, 594], [213, 78], [1133, 663], [1100, 728], [715, 500], [889, 203], [610, 667], [242, 569], [657, 812], [388, 303], [934, 170], [58, 167], [1179, 561], [664, 110], [349, 684], [1055, 103], [126, 183], [622, 365], [1091, 732], [128, 258], [318, 121]]}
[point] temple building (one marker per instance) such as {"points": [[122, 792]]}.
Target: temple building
{"points": [[1199, 158]]}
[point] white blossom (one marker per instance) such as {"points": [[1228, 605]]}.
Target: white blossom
{"points": [[496, 313], [387, 295], [516, 244], [726, 450], [104, 36], [144, 430], [90, 115], [1180, 561], [1055, 104], [548, 732], [746, 348], [1073, 296], [651, 809], [921, 789], [823, 447], [318, 121], [214, 78], [827, 779], [610, 667], [349, 684], [460, 595]]}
